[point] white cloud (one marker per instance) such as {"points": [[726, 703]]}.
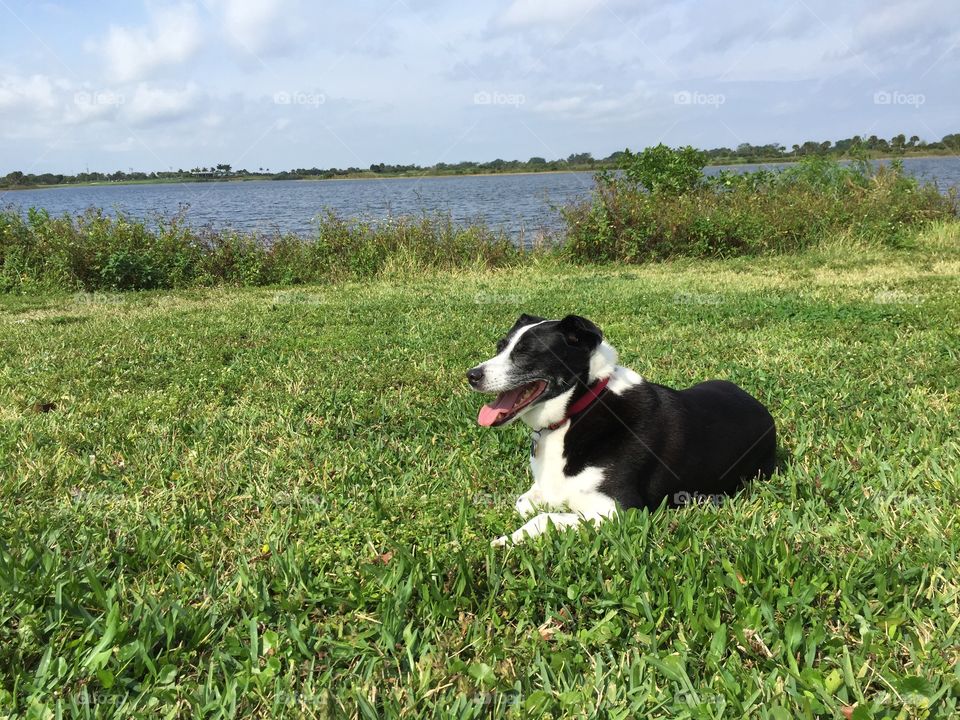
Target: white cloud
{"points": [[125, 145], [259, 26], [560, 105], [522, 13], [36, 92], [151, 104], [172, 37]]}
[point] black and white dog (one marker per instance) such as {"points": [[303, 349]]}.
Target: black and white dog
{"points": [[605, 438]]}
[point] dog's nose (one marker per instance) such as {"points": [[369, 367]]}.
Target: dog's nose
{"points": [[475, 376]]}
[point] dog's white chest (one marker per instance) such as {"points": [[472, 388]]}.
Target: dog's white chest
{"points": [[553, 485]]}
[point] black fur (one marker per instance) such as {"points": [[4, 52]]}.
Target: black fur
{"points": [[682, 446]]}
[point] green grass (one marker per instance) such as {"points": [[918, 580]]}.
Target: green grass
{"points": [[276, 501]]}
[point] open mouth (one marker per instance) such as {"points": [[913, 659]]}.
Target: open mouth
{"points": [[509, 403]]}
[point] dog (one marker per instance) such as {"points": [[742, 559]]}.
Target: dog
{"points": [[605, 439]]}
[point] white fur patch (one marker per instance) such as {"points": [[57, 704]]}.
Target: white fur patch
{"points": [[623, 379], [544, 414], [603, 361], [496, 370], [553, 487]]}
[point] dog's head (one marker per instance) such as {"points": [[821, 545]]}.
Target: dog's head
{"points": [[538, 366]]}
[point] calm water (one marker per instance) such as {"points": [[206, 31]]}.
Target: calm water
{"points": [[513, 202]]}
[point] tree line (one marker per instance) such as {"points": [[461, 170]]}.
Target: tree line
{"points": [[745, 152]]}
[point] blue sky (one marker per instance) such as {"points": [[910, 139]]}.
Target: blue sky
{"points": [[283, 83]]}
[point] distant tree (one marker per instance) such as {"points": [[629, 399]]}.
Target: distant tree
{"points": [[913, 141], [898, 142], [537, 161], [580, 158], [951, 142]]}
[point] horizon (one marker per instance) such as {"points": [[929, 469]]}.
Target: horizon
{"points": [[158, 86]]}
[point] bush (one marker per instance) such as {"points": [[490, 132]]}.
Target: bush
{"points": [[663, 170], [94, 251], [655, 208]]}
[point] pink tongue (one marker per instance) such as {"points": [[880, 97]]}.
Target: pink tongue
{"points": [[492, 412]]}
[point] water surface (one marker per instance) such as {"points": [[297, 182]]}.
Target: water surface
{"points": [[516, 203]]}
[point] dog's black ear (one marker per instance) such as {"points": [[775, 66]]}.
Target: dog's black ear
{"points": [[525, 320], [580, 332]]}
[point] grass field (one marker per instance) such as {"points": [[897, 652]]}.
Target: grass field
{"points": [[276, 502]]}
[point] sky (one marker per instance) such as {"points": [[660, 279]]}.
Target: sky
{"points": [[282, 84]]}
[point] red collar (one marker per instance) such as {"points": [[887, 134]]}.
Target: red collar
{"points": [[585, 401]]}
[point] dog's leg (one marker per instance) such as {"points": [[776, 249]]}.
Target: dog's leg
{"points": [[526, 502], [537, 524], [598, 508]]}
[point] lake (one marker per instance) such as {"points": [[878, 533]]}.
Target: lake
{"points": [[515, 203]]}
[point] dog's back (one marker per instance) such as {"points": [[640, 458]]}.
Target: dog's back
{"points": [[657, 443]]}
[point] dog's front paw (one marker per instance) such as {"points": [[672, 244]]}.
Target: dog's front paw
{"points": [[524, 505], [500, 541]]}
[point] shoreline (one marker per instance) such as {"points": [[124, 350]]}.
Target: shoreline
{"points": [[727, 162]]}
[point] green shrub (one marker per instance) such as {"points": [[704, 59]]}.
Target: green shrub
{"points": [[93, 251], [655, 208], [664, 170]]}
